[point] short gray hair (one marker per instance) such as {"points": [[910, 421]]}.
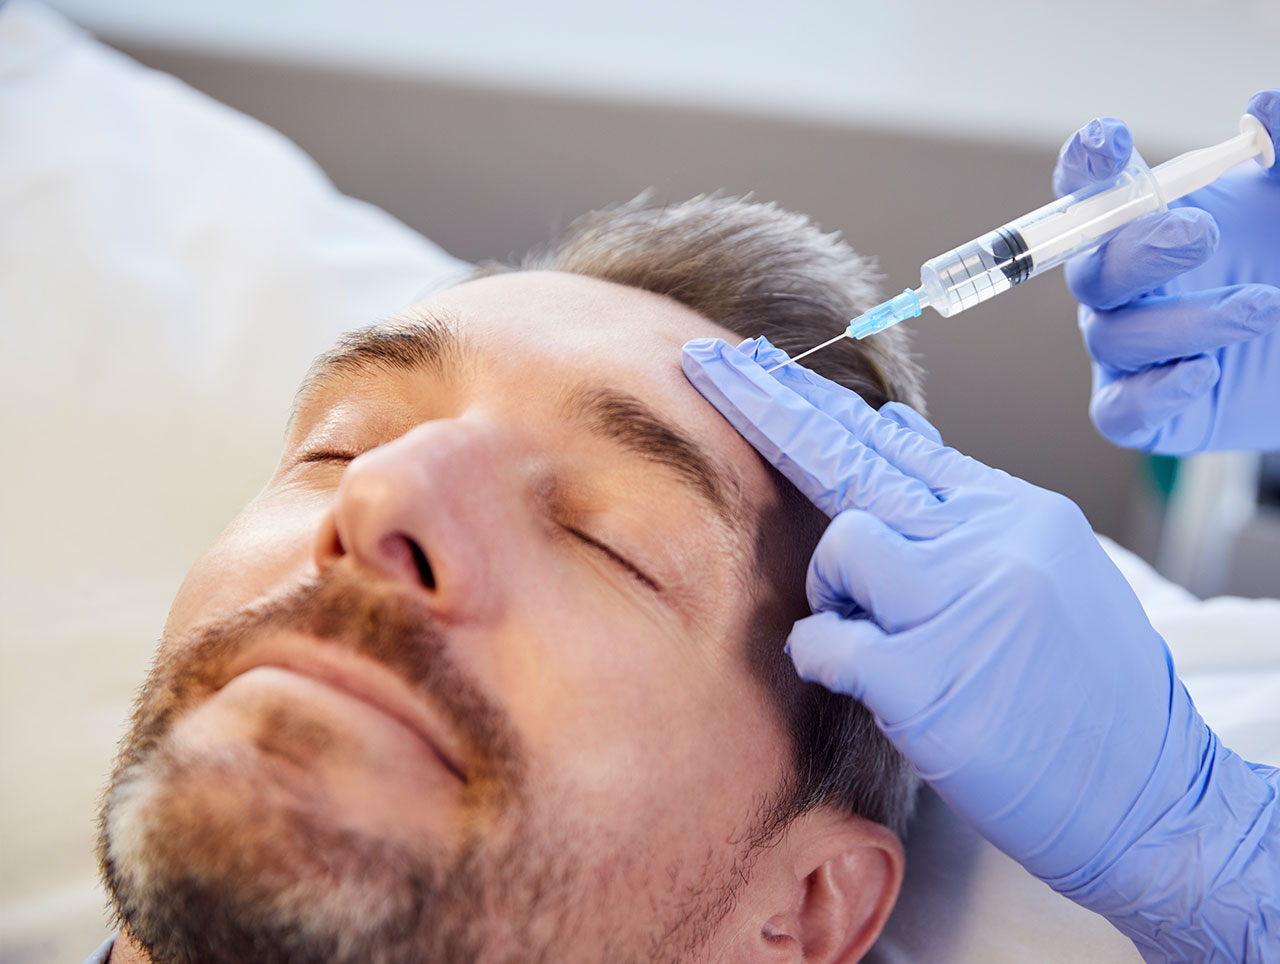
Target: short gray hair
{"points": [[757, 269], [754, 268]]}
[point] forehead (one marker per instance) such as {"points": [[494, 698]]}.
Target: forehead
{"points": [[594, 327]]}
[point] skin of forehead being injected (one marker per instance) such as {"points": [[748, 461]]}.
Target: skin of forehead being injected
{"points": [[468, 679]]}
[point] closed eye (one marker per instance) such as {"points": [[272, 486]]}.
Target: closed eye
{"points": [[326, 455], [340, 457], [619, 560]]}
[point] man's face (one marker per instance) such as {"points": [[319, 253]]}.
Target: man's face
{"points": [[468, 680]]}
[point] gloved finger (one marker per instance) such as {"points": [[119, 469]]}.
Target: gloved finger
{"points": [[768, 355], [1142, 256], [814, 451], [908, 417], [1163, 328], [1265, 105], [1132, 409], [884, 434], [825, 649], [1095, 152], [915, 454], [861, 560], [898, 677]]}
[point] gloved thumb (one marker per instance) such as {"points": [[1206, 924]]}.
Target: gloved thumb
{"points": [[1265, 105], [1097, 151]]}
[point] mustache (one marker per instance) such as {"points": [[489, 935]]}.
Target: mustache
{"points": [[337, 607]]}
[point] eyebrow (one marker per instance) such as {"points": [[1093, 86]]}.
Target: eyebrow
{"points": [[417, 342], [623, 419], [427, 342]]}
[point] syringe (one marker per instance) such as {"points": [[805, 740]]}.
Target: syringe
{"points": [[995, 262]]}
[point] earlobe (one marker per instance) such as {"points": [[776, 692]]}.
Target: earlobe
{"points": [[847, 882]]}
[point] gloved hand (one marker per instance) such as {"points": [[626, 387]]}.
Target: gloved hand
{"points": [[1181, 311], [1006, 657]]}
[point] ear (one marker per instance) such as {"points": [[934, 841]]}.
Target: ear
{"points": [[835, 878]]}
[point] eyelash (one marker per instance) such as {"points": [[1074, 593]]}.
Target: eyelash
{"points": [[619, 560], [327, 455]]}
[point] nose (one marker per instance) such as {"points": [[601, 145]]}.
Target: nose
{"points": [[420, 511]]}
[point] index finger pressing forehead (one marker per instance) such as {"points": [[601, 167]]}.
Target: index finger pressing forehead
{"points": [[819, 454]]}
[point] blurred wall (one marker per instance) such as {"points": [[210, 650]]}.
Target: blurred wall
{"points": [[1002, 70]]}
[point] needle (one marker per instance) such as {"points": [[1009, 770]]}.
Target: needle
{"points": [[843, 334]]}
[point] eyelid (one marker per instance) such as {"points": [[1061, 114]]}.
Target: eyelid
{"points": [[621, 560]]}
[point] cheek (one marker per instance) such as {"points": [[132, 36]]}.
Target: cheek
{"points": [[268, 545], [660, 727]]}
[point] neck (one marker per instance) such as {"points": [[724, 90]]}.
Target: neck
{"points": [[127, 950]]}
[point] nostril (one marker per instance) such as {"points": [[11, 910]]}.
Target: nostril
{"points": [[424, 567]]}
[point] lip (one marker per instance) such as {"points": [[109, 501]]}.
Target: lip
{"points": [[366, 680]]}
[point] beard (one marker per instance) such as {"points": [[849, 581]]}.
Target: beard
{"points": [[221, 855]]}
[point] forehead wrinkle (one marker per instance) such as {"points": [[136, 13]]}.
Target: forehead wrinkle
{"points": [[415, 341]]}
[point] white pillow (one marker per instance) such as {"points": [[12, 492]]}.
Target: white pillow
{"points": [[168, 268]]}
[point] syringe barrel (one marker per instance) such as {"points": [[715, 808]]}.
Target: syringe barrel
{"points": [[995, 262]]}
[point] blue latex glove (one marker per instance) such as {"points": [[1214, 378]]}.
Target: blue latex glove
{"points": [[1006, 657], [1181, 311]]}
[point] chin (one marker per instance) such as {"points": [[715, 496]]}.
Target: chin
{"points": [[214, 853]]}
